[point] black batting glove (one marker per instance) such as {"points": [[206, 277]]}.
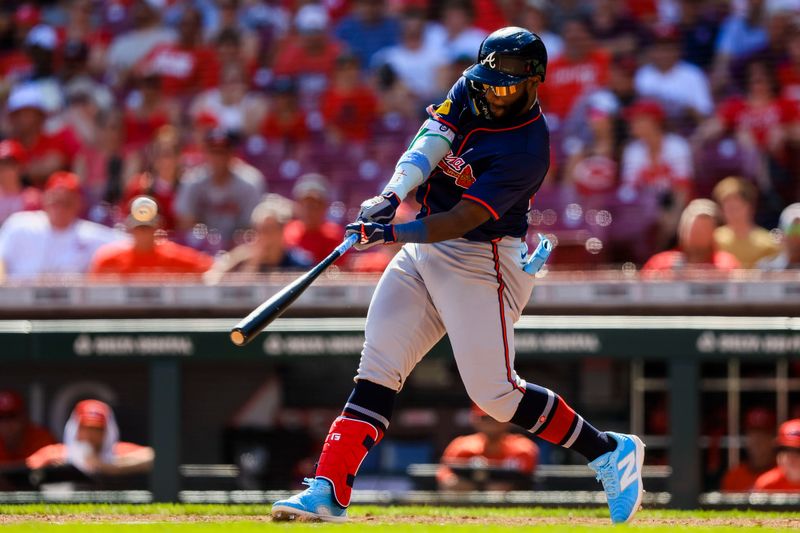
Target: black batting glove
{"points": [[380, 209], [370, 234]]}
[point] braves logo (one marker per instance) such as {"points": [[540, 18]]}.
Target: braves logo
{"points": [[489, 60], [458, 169]]}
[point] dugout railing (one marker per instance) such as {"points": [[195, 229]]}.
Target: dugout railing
{"points": [[168, 347]]}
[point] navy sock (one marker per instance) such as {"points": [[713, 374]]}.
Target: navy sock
{"points": [[546, 415], [371, 403]]}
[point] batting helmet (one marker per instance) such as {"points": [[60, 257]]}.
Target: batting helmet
{"points": [[507, 57]]}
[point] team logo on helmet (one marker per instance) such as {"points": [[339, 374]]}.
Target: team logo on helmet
{"points": [[489, 60]]}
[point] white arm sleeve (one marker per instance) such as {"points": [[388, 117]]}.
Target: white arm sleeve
{"points": [[431, 144]]}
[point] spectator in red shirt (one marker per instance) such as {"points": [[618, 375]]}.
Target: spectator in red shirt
{"points": [[19, 437], [92, 445], [580, 68], [14, 196], [311, 231], [786, 476], [311, 53], [759, 428], [349, 106], [47, 151], [148, 253], [186, 66], [146, 110], [696, 247], [285, 122], [492, 446]]}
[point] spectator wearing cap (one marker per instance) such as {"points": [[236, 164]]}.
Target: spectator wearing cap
{"points": [[92, 445], [786, 476], [128, 49], [581, 68], [759, 431], [312, 231], [147, 254], [368, 29], [681, 87], [221, 194], [740, 235], [54, 240], [696, 248], [789, 256], [492, 446], [19, 437], [417, 58], [349, 106], [14, 196], [285, 124], [455, 32], [47, 150], [309, 55], [41, 45], [265, 249], [186, 66], [657, 164]]}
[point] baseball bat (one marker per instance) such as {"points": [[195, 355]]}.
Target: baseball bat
{"points": [[264, 314]]}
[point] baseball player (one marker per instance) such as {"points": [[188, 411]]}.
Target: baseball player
{"points": [[476, 162]]}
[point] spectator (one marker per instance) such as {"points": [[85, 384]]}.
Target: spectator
{"points": [[368, 29], [15, 62], [491, 447], [92, 445], [85, 97], [147, 253], [789, 72], [786, 476], [696, 248], [535, 17], [231, 106], [47, 150], [759, 428], [266, 250], [680, 86], [310, 56], [161, 178], [81, 30], [740, 35], [247, 41], [129, 48], [349, 107], [789, 257], [614, 28], [740, 236], [40, 45], [699, 27], [656, 164], [311, 231], [14, 196], [219, 194], [581, 68], [186, 66], [146, 110], [19, 437], [457, 35], [285, 123], [417, 58], [55, 240]]}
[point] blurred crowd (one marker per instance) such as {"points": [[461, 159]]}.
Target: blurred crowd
{"points": [[258, 126]]}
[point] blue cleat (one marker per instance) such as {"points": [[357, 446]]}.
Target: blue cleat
{"points": [[314, 503], [621, 474]]}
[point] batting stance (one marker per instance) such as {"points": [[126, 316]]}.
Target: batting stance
{"points": [[476, 162]]}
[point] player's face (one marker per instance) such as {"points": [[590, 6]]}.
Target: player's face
{"points": [[789, 462], [506, 102], [736, 209], [700, 235], [92, 436]]}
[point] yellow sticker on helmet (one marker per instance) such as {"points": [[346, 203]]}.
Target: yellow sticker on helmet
{"points": [[444, 107]]}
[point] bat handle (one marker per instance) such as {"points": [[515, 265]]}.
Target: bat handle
{"points": [[347, 243]]}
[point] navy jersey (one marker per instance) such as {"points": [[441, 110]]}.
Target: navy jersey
{"points": [[499, 165]]}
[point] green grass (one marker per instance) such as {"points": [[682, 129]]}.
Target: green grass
{"points": [[97, 518]]}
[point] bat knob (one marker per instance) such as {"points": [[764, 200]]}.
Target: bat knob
{"points": [[237, 337]]}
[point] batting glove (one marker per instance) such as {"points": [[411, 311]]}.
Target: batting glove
{"points": [[371, 234], [380, 209]]}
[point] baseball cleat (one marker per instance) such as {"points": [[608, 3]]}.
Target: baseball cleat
{"points": [[315, 504], [620, 472]]}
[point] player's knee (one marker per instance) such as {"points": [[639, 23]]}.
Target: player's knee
{"points": [[501, 408]]}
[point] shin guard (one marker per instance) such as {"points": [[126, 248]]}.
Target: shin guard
{"points": [[348, 442]]}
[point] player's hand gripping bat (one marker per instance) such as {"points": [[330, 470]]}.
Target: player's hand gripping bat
{"points": [[264, 314]]}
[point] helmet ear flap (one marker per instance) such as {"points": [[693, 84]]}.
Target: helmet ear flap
{"points": [[477, 95]]}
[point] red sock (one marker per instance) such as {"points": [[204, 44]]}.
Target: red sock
{"points": [[348, 442]]}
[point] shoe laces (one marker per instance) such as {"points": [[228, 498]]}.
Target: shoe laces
{"points": [[608, 477]]}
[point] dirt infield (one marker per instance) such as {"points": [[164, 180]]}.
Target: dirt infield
{"points": [[466, 519]]}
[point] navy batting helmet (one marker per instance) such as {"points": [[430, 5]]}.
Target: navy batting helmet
{"points": [[507, 57]]}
